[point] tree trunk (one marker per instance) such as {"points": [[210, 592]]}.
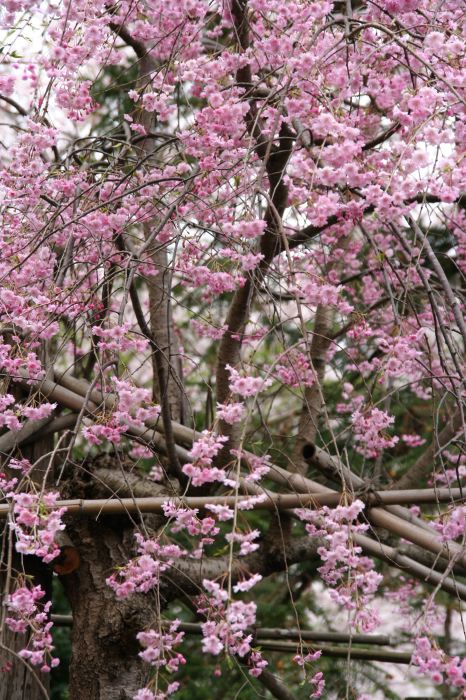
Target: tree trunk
{"points": [[105, 663]]}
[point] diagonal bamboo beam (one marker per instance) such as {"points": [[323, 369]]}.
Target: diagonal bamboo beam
{"points": [[333, 468], [419, 470], [424, 573], [11, 440], [378, 517], [70, 399], [400, 559]]}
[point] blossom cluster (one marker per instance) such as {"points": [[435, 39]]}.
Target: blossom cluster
{"points": [[245, 541], [352, 576], [134, 407], [248, 385], [258, 465], [36, 522], [159, 651], [401, 355], [317, 679], [11, 412], [231, 412], [370, 431], [226, 629], [202, 531], [118, 338], [203, 451], [295, 370], [315, 292], [142, 573], [434, 663], [28, 616], [452, 524]]}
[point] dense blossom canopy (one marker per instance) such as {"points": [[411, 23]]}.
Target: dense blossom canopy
{"points": [[233, 247]]}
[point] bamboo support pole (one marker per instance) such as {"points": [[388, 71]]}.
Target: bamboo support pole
{"points": [[265, 637], [344, 652], [150, 505], [304, 635], [273, 501], [62, 620], [316, 636]]}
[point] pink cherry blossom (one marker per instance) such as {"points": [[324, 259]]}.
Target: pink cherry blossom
{"points": [[228, 230], [35, 528], [246, 386], [28, 615], [369, 431], [230, 413]]}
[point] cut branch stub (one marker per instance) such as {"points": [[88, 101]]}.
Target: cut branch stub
{"points": [[308, 451]]}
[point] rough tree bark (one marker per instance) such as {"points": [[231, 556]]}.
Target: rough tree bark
{"points": [[105, 663]]}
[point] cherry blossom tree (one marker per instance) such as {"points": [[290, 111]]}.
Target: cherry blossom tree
{"points": [[232, 337]]}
